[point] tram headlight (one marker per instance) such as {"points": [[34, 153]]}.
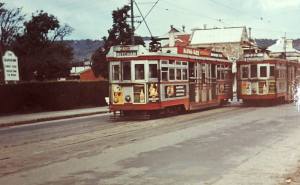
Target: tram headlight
{"points": [[127, 98]]}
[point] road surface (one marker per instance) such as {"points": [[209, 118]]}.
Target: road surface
{"points": [[229, 145]]}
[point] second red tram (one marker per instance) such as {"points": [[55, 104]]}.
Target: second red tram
{"points": [[170, 79], [266, 79]]}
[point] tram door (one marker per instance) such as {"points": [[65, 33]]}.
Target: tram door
{"points": [[204, 82], [213, 82], [192, 81]]}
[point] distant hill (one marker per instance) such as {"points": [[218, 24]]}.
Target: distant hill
{"points": [[83, 49], [264, 43]]}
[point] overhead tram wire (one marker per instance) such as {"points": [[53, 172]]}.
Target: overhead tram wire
{"points": [[144, 18], [192, 12], [255, 17], [240, 11]]}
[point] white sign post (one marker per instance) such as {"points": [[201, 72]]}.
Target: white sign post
{"points": [[10, 66]]}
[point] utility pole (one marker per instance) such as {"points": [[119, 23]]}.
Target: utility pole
{"points": [[284, 45], [132, 22]]}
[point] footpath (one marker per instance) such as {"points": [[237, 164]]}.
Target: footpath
{"points": [[19, 119]]}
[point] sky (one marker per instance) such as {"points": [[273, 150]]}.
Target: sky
{"points": [[91, 19]]}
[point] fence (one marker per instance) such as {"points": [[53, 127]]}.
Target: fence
{"points": [[42, 96]]}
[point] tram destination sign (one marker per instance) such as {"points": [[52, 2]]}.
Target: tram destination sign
{"points": [[126, 51], [10, 66]]}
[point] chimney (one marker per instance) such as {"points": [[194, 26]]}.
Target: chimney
{"points": [[183, 28], [204, 26], [171, 39], [249, 33], [289, 43]]}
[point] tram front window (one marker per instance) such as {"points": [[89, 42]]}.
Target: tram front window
{"points": [[126, 73], [139, 72], [245, 72], [263, 71], [115, 72], [172, 74], [253, 72], [152, 70], [272, 71]]}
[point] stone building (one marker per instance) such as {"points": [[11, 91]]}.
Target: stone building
{"points": [[232, 41]]}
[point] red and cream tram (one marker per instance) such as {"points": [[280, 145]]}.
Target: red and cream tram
{"points": [[167, 80], [262, 79]]}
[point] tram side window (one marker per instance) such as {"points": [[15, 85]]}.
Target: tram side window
{"points": [[171, 74], [115, 72], [139, 72], [152, 70], [184, 74], [164, 74], [272, 71], [263, 71], [253, 72], [126, 73], [245, 72], [203, 76], [213, 70], [178, 74]]}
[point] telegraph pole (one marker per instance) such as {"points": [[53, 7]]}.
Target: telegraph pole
{"points": [[132, 23]]}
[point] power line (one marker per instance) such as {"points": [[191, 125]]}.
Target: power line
{"points": [[148, 13], [260, 18], [143, 18], [191, 12]]}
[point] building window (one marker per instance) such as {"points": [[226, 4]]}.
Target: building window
{"points": [[272, 71], [152, 70], [171, 74], [139, 72], [253, 72], [115, 72], [126, 73], [263, 71], [171, 62]]}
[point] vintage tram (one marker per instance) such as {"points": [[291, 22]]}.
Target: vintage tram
{"points": [[261, 79], [168, 80]]}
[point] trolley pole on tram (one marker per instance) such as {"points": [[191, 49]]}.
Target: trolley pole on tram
{"points": [[132, 23]]}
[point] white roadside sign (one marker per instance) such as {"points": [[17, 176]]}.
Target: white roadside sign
{"points": [[10, 66]]}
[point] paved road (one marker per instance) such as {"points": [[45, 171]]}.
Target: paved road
{"points": [[231, 145]]}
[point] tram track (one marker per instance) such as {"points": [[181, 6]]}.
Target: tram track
{"points": [[87, 143]]}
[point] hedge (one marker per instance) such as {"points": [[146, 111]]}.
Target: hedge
{"points": [[44, 96]]}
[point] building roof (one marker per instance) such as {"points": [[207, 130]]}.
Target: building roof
{"points": [[219, 35], [283, 45]]}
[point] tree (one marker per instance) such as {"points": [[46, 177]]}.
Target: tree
{"points": [[10, 24], [120, 33], [41, 50]]}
